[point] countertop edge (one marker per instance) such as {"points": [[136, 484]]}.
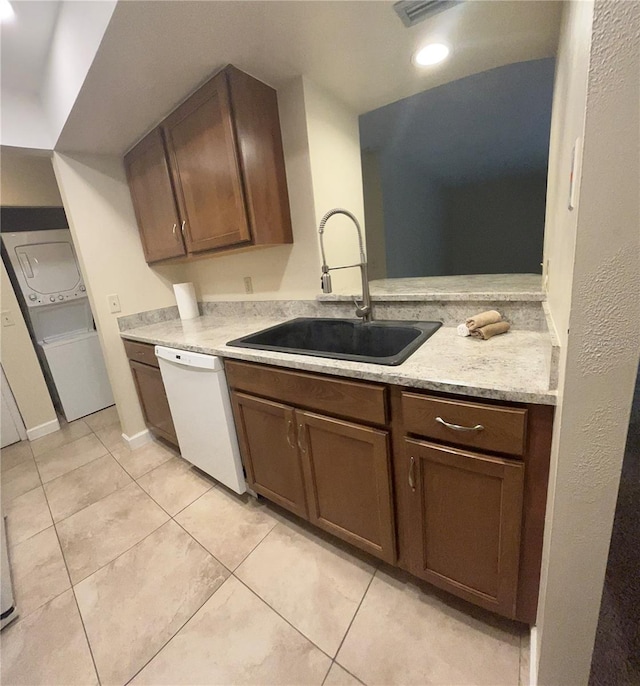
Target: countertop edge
{"points": [[319, 365]]}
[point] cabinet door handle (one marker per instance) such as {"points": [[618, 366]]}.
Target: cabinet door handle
{"points": [[182, 227], [301, 442], [173, 231], [289, 429], [458, 427], [412, 473]]}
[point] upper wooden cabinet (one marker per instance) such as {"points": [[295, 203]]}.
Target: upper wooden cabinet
{"points": [[211, 177], [152, 195]]}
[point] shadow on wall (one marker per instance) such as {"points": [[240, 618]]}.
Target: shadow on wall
{"points": [[460, 174], [616, 654]]}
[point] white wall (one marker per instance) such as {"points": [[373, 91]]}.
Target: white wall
{"points": [[336, 171], [567, 125], [283, 272], [21, 365], [36, 121], [79, 32], [27, 180], [600, 358], [24, 124], [100, 213]]}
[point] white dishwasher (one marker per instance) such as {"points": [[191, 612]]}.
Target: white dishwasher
{"points": [[201, 410]]}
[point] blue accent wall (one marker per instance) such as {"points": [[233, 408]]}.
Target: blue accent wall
{"points": [[438, 151]]}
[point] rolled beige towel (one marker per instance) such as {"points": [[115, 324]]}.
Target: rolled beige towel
{"points": [[482, 319], [486, 332]]}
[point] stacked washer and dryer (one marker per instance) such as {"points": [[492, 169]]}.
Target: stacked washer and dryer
{"points": [[55, 304]]}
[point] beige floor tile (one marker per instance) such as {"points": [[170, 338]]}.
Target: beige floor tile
{"points": [[111, 437], [48, 647], [405, 635], [98, 420], [59, 461], [175, 484], [27, 515], [39, 572], [340, 677], [82, 487], [96, 535], [67, 433], [156, 587], [15, 454], [236, 639], [142, 460], [525, 664], [19, 480], [311, 583], [229, 526]]}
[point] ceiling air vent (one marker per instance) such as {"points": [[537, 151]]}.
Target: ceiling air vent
{"points": [[412, 12]]}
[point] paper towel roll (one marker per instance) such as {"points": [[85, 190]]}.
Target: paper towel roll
{"points": [[186, 300]]}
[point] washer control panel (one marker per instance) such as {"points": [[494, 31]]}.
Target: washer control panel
{"points": [[35, 299]]}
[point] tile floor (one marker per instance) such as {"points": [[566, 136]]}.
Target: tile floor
{"points": [[133, 567]]}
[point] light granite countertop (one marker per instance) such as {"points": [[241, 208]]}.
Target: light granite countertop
{"points": [[509, 367], [478, 287]]}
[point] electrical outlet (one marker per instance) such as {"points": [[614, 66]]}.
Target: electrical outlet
{"points": [[114, 303], [248, 285], [7, 319]]}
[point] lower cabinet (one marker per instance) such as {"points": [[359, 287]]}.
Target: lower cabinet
{"points": [[266, 434], [153, 400], [332, 472], [151, 393], [347, 481], [450, 489], [466, 513]]}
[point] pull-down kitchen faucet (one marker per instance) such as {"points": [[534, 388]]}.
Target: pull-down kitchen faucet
{"points": [[363, 309]]}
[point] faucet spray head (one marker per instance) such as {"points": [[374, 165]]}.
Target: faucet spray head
{"points": [[326, 280]]}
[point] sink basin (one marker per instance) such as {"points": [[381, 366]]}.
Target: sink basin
{"points": [[375, 342]]}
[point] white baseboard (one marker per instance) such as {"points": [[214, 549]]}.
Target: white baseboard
{"points": [[533, 656], [43, 429], [137, 440]]}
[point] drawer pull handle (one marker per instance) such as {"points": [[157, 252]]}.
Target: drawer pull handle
{"points": [[289, 428], [458, 427], [412, 473], [301, 444]]}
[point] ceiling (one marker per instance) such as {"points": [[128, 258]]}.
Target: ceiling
{"points": [[25, 44], [155, 53]]}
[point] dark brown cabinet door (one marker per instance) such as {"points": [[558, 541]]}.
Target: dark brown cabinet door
{"points": [[466, 512], [348, 483], [267, 437], [153, 199], [203, 156], [153, 399]]}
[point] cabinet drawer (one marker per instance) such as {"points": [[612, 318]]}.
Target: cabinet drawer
{"points": [[141, 352], [351, 399], [503, 429]]}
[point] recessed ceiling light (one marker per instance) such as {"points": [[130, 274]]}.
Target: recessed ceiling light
{"points": [[7, 13], [431, 54]]}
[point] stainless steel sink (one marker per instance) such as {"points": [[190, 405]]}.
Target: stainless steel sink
{"points": [[378, 342]]}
